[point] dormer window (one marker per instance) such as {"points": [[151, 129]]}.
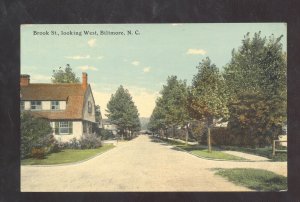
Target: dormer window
{"points": [[36, 105], [89, 107], [55, 105]]}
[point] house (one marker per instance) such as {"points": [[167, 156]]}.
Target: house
{"points": [[70, 107], [107, 125]]}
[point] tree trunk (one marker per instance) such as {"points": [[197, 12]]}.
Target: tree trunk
{"points": [[208, 139], [186, 135], [173, 131]]}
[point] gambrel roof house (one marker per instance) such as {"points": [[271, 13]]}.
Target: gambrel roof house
{"points": [[70, 107]]}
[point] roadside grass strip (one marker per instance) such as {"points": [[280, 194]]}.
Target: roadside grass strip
{"points": [[202, 152], [256, 179], [68, 156]]}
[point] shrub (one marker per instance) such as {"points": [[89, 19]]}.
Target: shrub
{"points": [[221, 136], [73, 144], [106, 134], [57, 146], [35, 133], [38, 152], [90, 141]]}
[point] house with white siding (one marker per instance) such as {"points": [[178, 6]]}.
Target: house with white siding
{"points": [[69, 107]]}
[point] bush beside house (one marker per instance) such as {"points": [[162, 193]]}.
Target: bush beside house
{"points": [[36, 138]]}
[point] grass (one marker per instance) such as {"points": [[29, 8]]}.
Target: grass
{"points": [[264, 152], [256, 179], [215, 154], [203, 152], [67, 156]]}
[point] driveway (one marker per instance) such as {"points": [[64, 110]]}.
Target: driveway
{"points": [[138, 165]]}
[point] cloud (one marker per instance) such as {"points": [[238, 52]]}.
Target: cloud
{"points": [[87, 67], [193, 51], [176, 24], [39, 78], [143, 99], [100, 57], [135, 63], [78, 57], [147, 69], [91, 42]]}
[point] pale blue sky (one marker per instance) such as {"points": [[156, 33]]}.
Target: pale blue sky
{"points": [[141, 62]]}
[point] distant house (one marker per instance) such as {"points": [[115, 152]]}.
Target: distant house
{"points": [[107, 125], [70, 107]]}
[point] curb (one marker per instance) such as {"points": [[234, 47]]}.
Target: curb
{"points": [[71, 163]]}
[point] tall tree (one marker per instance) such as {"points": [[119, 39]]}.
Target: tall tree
{"points": [[207, 96], [64, 75], [174, 96], [171, 111], [157, 121], [123, 112], [256, 79]]}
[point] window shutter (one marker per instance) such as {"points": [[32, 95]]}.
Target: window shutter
{"points": [[70, 127], [56, 128]]}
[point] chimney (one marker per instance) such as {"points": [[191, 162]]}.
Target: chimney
{"points": [[24, 80], [84, 80]]}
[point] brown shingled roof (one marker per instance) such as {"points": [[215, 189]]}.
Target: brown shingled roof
{"points": [[51, 91], [72, 93]]}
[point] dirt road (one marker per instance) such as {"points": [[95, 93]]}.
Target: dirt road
{"points": [[138, 165]]}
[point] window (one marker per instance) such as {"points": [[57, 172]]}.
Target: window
{"points": [[55, 105], [36, 105], [63, 128], [89, 107], [22, 106]]}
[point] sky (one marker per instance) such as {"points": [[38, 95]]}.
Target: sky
{"points": [[140, 61]]}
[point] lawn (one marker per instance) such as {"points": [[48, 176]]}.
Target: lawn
{"points": [[215, 154], [67, 156], [256, 179]]}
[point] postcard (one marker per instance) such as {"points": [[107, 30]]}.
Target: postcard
{"points": [[186, 107]]}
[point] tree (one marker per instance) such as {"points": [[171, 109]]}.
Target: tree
{"points": [[170, 110], [256, 80], [35, 133], [98, 118], [207, 96], [123, 112], [97, 113], [64, 75], [174, 97], [157, 121]]}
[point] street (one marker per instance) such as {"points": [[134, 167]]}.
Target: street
{"points": [[138, 165]]}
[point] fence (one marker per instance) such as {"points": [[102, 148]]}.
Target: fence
{"points": [[274, 147]]}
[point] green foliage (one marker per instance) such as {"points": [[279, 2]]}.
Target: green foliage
{"points": [[98, 113], [106, 134], [256, 80], [89, 141], [170, 109], [256, 179], [64, 75], [123, 112], [207, 96], [207, 100], [35, 133]]}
